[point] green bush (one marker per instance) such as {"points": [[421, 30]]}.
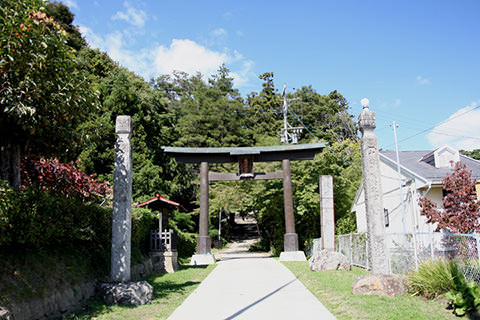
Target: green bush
{"points": [[143, 220], [186, 243], [465, 297], [31, 218], [433, 278]]}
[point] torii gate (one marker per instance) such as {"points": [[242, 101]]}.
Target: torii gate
{"points": [[245, 157]]}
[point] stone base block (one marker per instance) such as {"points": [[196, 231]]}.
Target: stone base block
{"points": [[202, 259], [217, 244], [130, 293], [290, 242], [165, 261], [5, 314], [293, 256]]}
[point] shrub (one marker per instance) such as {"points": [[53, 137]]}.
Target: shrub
{"points": [[143, 220], [31, 219], [433, 278], [465, 297], [62, 179]]}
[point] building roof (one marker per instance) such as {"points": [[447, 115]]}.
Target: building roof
{"points": [[159, 202], [231, 154], [415, 162]]}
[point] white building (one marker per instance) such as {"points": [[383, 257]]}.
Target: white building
{"points": [[421, 174]]}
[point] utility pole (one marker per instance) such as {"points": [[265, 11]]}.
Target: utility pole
{"points": [[285, 136], [404, 222]]}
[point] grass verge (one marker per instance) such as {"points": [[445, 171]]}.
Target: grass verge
{"points": [[169, 290], [334, 290]]}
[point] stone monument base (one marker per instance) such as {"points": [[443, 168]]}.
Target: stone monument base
{"points": [[202, 259], [129, 293], [166, 261], [293, 256]]}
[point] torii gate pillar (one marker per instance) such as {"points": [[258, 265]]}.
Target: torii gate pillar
{"points": [[290, 239], [203, 255]]}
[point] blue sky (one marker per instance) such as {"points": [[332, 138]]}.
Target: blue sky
{"points": [[416, 61]]}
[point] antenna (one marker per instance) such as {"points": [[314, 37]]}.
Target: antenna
{"points": [[285, 135]]}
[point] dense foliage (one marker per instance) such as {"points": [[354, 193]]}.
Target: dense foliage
{"points": [[461, 211], [44, 93], [62, 179], [88, 90]]}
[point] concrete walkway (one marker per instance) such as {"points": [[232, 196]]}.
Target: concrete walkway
{"points": [[250, 286]]}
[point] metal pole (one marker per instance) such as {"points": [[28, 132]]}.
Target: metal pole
{"points": [[220, 224], [285, 111], [404, 222], [478, 247]]}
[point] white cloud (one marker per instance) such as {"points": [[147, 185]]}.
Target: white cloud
{"points": [[133, 16], [243, 76], [188, 56], [182, 55], [220, 32], [71, 3], [397, 102], [92, 38], [460, 130], [422, 81]]}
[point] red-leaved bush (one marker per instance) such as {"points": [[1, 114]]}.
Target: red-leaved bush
{"points": [[61, 179], [461, 211]]}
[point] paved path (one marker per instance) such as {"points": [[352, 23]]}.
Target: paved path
{"points": [[250, 286]]}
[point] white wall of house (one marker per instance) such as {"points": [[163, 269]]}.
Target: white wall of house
{"points": [[411, 189]]}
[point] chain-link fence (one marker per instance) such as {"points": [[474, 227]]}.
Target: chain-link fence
{"points": [[406, 250]]}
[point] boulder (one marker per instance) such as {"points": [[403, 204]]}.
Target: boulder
{"points": [[130, 293], [328, 260], [5, 314], [380, 285]]}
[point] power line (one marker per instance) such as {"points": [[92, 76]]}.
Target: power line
{"points": [[316, 138], [433, 127]]}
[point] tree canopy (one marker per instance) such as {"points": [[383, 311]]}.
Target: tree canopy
{"points": [[59, 97]]}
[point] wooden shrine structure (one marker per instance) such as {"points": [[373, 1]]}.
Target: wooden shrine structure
{"points": [[245, 157]]}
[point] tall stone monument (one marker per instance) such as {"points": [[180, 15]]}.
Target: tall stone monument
{"points": [[122, 201], [327, 214], [377, 257], [121, 290]]}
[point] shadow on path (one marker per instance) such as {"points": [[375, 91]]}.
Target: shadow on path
{"points": [[236, 314]]}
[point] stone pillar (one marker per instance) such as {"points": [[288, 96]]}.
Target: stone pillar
{"points": [[290, 239], [122, 201], [377, 257], [327, 213], [203, 255]]}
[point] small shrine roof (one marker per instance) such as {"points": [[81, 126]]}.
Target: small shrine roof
{"points": [[159, 202]]}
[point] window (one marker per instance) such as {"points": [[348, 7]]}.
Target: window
{"points": [[387, 220]]}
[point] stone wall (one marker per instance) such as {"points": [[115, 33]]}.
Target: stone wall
{"points": [[61, 302], [53, 304]]}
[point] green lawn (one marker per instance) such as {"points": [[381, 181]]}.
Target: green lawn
{"points": [[170, 290], [334, 290]]}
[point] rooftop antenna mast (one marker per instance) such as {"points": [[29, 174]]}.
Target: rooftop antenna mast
{"points": [[285, 135]]}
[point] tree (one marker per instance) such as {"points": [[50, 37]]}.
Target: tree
{"points": [[62, 15], [44, 93], [475, 154], [461, 211]]}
